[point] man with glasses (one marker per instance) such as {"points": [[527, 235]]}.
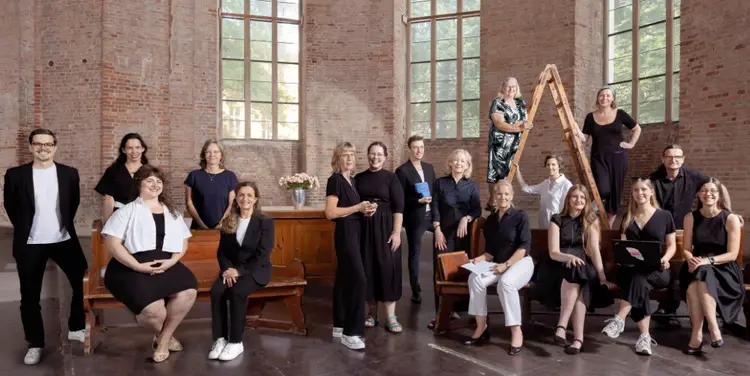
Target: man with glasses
{"points": [[41, 199], [676, 187]]}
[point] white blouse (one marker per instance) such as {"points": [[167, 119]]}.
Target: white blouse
{"points": [[134, 224], [553, 194]]}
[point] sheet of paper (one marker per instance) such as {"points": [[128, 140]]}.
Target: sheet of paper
{"points": [[479, 268]]}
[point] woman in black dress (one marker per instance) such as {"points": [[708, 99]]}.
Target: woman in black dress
{"points": [[116, 185], [245, 247], [381, 237], [209, 190], [346, 209], [455, 204], [507, 123], [711, 280], [609, 156], [575, 267], [147, 238], [644, 221]]}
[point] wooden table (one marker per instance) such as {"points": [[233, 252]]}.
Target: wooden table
{"points": [[307, 235]]}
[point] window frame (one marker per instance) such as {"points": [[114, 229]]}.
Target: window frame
{"points": [[275, 20], [459, 16], [635, 78]]}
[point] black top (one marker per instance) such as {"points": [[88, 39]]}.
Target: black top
{"points": [[160, 232], [382, 187], [210, 194], [451, 201], [408, 176], [710, 234], [606, 138], [502, 238], [118, 183], [656, 229], [347, 194], [253, 256], [571, 230], [18, 200], [677, 196]]}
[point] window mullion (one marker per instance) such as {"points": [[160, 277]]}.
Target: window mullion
{"points": [[670, 62], [274, 72], [635, 71], [248, 99], [433, 73]]}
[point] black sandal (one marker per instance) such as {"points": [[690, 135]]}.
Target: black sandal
{"points": [[560, 341], [570, 350]]}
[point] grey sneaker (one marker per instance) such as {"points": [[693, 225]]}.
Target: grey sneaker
{"points": [[33, 356], [615, 327], [644, 343]]}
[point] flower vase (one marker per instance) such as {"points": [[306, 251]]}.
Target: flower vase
{"points": [[298, 198]]}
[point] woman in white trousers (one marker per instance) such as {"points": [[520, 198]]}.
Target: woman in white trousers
{"points": [[507, 236]]}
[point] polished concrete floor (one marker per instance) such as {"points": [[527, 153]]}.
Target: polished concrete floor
{"points": [[125, 348]]}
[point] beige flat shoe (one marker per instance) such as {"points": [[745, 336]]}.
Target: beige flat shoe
{"points": [[159, 357], [174, 344]]}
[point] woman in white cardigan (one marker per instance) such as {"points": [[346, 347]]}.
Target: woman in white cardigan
{"points": [[147, 238]]}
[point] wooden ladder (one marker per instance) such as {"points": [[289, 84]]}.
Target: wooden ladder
{"points": [[550, 77]]}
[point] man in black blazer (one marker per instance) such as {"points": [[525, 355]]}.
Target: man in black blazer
{"points": [[41, 199], [417, 215]]}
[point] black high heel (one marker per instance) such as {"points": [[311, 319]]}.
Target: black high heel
{"points": [[514, 350], [570, 350], [694, 351], [718, 343], [484, 337], [560, 341]]}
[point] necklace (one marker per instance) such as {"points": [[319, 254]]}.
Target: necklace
{"points": [[211, 176]]}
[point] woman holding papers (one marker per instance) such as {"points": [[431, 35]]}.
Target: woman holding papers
{"points": [[552, 190], [575, 268], [507, 235], [645, 222], [417, 178], [455, 204], [381, 237], [711, 279]]}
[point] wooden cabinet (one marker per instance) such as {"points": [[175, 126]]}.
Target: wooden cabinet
{"points": [[306, 235]]}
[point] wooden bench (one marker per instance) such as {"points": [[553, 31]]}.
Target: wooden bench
{"points": [[452, 282], [287, 285]]}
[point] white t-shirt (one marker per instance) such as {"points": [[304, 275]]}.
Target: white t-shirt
{"points": [[242, 228], [46, 227]]}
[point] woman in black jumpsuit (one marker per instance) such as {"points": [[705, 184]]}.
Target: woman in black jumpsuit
{"points": [[344, 207]]}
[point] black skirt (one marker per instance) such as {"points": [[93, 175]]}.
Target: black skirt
{"points": [[138, 290], [382, 266], [636, 285], [723, 282], [551, 273]]}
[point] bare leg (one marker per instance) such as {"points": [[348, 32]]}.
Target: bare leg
{"points": [[177, 308], [153, 316], [644, 324], [516, 336], [695, 309], [569, 292], [481, 326], [611, 219], [579, 318], [624, 309], [390, 311], [709, 310]]}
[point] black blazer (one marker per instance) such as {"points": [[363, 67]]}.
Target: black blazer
{"points": [[18, 197], [253, 256], [409, 177]]}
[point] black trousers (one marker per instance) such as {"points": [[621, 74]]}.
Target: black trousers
{"points": [[230, 323], [350, 284], [414, 235], [31, 262]]}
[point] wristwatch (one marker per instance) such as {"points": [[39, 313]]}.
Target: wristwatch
{"points": [[712, 260]]}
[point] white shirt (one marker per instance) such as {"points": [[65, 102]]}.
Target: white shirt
{"points": [[241, 229], [46, 227], [421, 176], [553, 194], [134, 224]]}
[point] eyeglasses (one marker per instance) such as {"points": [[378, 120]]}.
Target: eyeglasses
{"points": [[711, 191], [675, 157], [40, 145]]}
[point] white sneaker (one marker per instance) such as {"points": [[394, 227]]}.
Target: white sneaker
{"points": [[354, 343], [644, 343], [615, 327], [33, 356], [78, 335], [217, 348], [337, 332], [231, 351]]}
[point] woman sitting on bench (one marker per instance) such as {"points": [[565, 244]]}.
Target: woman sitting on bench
{"points": [[244, 253], [711, 279], [507, 236], [147, 238], [646, 222], [575, 267]]}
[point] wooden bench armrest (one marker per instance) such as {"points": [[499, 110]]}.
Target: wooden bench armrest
{"points": [[293, 269]]}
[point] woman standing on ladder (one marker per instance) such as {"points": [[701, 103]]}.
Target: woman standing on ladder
{"points": [[609, 156], [508, 120]]}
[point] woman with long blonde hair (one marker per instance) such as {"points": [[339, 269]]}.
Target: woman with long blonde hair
{"points": [[645, 222], [711, 280], [575, 267]]}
